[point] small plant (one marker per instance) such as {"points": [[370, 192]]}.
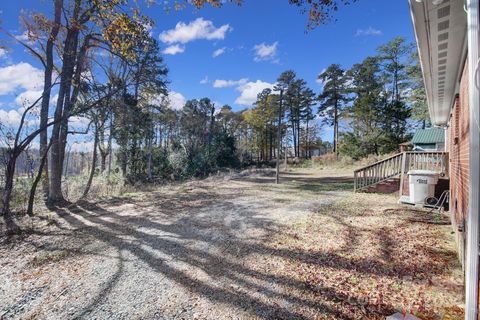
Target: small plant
{"points": [[396, 286], [353, 280], [50, 257]]}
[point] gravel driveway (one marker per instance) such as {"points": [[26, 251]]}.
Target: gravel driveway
{"points": [[198, 250]]}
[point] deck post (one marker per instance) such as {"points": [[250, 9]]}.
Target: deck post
{"points": [[402, 172], [472, 259], [355, 181]]}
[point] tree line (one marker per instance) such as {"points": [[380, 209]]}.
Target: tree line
{"points": [[371, 107]]}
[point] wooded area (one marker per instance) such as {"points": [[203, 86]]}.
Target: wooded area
{"points": [[112, 74]]}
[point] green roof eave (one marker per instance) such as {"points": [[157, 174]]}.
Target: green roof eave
{"points": [[432, 135]]}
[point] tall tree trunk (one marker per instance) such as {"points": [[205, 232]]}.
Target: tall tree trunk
{"points": [[335, 129], [12, 156], [110, 151], [72, 69], [271, 140], [298, 135], [275, 148], [47, 85], [72, 94], [307, 143], [279, 138], [94, 164], [102, 149], [9, 176], [55, 192], [33, 189], [266, 142], [294, 138], [160, 137], [123, 162], [149, 160], [103, 161]]}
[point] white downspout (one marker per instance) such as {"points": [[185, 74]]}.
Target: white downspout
{"points": [[445, 139], [471, 272]]}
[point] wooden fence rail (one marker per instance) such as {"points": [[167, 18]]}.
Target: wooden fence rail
{"points": [[398, 165]]}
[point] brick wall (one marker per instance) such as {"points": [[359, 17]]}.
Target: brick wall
{"points": [[458, 147]]}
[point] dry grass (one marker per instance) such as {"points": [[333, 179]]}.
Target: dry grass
{"points": [[330, 161], [364, 260]]}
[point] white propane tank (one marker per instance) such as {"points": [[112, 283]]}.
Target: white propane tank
{"points": [[422, 185]]}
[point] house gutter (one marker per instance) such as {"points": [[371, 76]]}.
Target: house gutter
{"points": [[471, 272]]}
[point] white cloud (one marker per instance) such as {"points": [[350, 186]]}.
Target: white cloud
{"points": [[195, 30], [174, 49], [204, 80], [320, 81], [266, 52], [22, 75], [370, 31], [10, 119], [219, 52], [3, 53], [177, 100], [229, 83], [250, 90], [22, 37], [28, 97]]}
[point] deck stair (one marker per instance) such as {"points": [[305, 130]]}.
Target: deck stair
{"points": [[397, 166]]}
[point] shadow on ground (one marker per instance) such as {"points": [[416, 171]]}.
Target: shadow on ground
{"points": [[304, 182], [218, 247]]}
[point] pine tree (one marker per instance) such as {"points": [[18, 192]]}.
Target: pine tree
{"points": [[333, 98], [284, 83], [393, 56], [307, 115], [365, 114], [417, 97]]}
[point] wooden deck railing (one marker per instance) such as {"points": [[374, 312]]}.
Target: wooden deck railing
{"points": [[377, 172], [399, 165], [433, 161]]}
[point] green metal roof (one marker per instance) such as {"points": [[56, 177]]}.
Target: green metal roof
{"points": [[432, 135]]}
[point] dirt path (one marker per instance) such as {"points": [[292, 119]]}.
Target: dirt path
{"points": [[211, 249]]}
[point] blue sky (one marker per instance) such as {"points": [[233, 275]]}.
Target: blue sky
{"points": [[254, 43]]}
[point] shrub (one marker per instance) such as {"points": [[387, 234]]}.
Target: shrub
{"points": [[178, 161]]}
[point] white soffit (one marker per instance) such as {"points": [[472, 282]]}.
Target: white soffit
{"points": [[440, 30]]}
